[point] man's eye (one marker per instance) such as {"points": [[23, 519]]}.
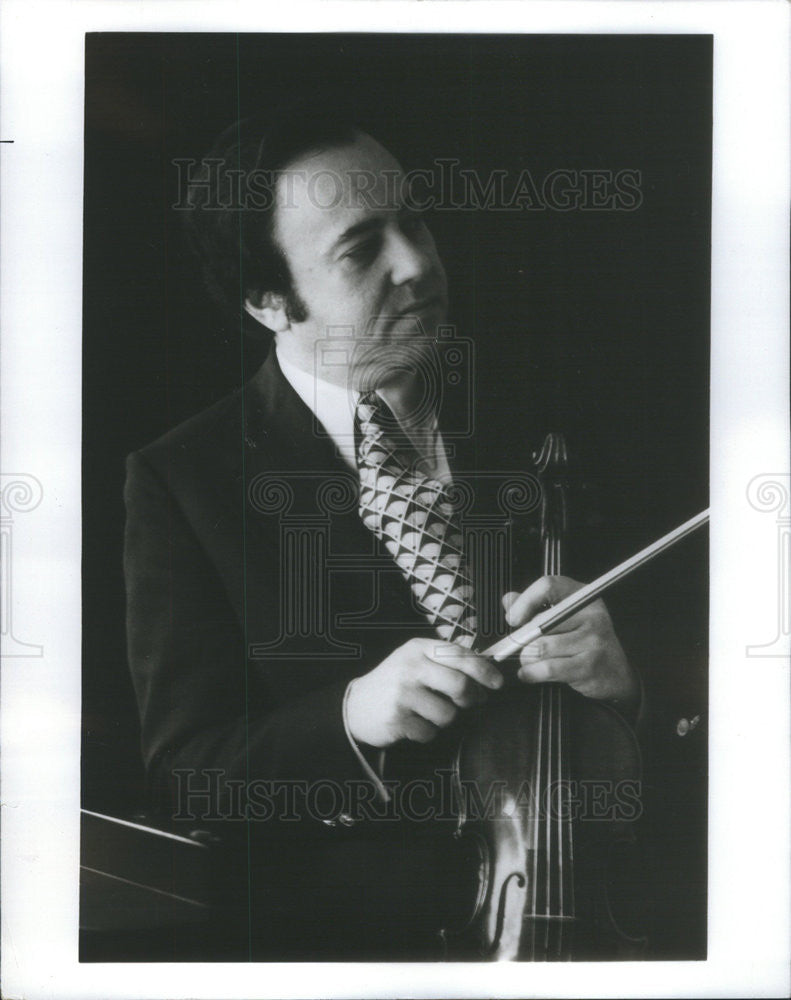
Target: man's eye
{"points": [[363, 252]]}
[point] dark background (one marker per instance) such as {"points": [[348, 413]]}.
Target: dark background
{"points": [[593, 323]]}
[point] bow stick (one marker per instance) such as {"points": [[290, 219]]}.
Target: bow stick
{"points": [[564, 609]]}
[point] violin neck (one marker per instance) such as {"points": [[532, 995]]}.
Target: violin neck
{"points": [[552, 464], [553, 555]]}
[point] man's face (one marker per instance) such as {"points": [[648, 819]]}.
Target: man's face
{"points": [[365, 267]]}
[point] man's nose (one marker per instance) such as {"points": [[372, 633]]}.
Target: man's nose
{"points": [[409, 260]]}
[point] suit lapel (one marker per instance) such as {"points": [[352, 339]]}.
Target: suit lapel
{"points": [[285, 441], [279, 420]]}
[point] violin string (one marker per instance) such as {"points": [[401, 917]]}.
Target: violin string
{"points": [[552, 569], [546, 697], [548, 826], [548, 852], [552, 741], [563, 872], [536, 808], [557, 805], [559, 715]]}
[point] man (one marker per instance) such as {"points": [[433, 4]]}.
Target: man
{"points": [[255, 662]]}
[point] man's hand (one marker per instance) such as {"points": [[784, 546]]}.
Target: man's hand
{"points": [[584, 651], [417, 691]]}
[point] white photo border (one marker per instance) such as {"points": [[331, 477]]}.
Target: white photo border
{"points": [[42, 112]]}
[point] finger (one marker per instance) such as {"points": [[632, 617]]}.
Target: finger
{"points": [[417, 729], [564, 669], [554, 645], [589, 619], [432, 707], [509, 598], [483, 671], [453, 684], [542, 593]]}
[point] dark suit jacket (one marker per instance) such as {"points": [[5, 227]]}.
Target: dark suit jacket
{"points": [[254, 595]]}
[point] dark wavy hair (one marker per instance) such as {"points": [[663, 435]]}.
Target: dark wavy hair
{"points": [[230, 217]]}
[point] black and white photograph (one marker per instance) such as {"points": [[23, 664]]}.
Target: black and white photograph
{"points": [[408, 332], [399, 442]]}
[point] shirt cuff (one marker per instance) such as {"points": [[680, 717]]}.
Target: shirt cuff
{"points": [[369, 771]]}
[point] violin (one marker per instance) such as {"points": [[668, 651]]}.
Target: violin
{"points": [[546, 784]]}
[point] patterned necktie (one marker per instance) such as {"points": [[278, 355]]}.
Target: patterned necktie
{"points": [[411, 513]]}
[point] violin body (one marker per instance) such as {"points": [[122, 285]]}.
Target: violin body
{"points": [[546, 822]]}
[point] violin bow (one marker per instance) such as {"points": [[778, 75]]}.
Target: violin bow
{"points": [[564, 609]]}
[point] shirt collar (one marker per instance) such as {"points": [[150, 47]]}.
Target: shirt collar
{"points": [[334, 405]]}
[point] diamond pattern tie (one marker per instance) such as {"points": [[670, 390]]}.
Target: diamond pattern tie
{"points": [[411, 513]]}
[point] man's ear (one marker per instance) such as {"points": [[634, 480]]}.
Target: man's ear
{"points": [[269, 309]]}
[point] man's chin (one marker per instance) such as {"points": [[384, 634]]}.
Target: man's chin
{"points": [[396, 359]]}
